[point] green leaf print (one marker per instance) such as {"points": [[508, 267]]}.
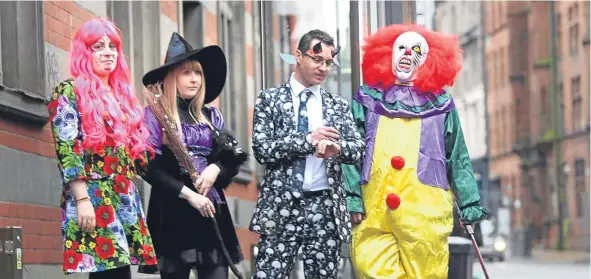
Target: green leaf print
{"points": [[65, 148], [111, 264], [123, 258], [71, 161], [136, 236], [72, 229], [68, 92]]}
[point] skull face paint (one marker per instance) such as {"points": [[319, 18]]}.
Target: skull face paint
{"points": [[410, 51]]}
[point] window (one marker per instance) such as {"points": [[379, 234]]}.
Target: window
{"points": [[586, 18], [578, 117], [574, 39], [581, 188], [558, 35], [573, 30], [497, 71], [232, 39], [26, 96], [503, 131], [561, 100], [502, 65], [227, 97], [493, 16], [499, 14], [543, 108], [193, 23]]}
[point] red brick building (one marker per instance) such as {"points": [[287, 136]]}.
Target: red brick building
{"points": [[523, 104]]}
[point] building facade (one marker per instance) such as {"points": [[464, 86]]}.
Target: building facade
{"points": [[35, 40], [538, 109], [464, 19]]}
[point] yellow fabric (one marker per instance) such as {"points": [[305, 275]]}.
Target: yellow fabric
{"points": [[411, 241]]}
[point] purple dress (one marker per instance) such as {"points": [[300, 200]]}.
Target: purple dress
{"points": [[180, 234]]}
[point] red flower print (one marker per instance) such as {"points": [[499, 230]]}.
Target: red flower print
{"points": [[104, 247], [121, 184], [111, 164], [77, 147], [52, 108], [108, 139], [75, 245], [71, 259], [149, 255], [143, 229], [100, 151], [98, 193], [104, 216]]}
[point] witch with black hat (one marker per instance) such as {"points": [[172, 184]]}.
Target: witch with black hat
{"points": [[179, 210]]}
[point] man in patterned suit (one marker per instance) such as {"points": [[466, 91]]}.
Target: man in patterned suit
{"points": [[301, 135]]}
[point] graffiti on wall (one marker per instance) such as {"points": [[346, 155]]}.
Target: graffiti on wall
{"points": [[52, 69]]}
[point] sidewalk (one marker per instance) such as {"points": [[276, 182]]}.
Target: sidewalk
{"points": [[554, 256]]}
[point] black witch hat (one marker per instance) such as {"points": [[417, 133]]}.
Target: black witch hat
{"points": [[211, 58]]}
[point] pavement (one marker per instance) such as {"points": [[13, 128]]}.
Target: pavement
{"points": [[529, 269], [555, 256], [550, 264]]}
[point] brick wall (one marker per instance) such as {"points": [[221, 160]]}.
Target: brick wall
{"points": [[61, 20], [169, 9], [42, 242]]}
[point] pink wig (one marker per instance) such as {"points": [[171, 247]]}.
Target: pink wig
{"points": [[128, 131], [443, 64]]}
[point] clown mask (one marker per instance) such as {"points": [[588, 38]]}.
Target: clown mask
{"points": [[409, 53]]}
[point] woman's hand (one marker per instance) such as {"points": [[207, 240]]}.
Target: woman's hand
{"points": [[206, 179], [201, 203], [86, 216], [84, 208]]}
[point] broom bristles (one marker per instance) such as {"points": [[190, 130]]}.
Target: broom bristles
{"points": [[154, 96]]}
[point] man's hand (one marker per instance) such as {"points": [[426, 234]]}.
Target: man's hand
{"points": [[326, 149], [357, 217], [323, 133]]}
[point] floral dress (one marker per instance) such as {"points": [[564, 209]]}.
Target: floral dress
{"points": [[121, 237]]}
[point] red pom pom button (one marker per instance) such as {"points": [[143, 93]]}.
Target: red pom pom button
{"points": [[393, 201], [397, 162]]}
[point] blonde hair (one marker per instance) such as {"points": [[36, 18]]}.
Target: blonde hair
{"points": [[171, 92]]}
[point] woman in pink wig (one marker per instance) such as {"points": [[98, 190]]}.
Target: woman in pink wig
{"points": [[97, 124]]}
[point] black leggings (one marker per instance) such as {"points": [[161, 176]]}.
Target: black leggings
{"points": [[123, 272], [203, 272]]}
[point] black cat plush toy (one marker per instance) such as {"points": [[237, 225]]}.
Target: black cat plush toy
{"points": [[228, 154]]}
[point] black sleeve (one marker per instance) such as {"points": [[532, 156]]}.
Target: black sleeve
{"points": [[158, 177]]}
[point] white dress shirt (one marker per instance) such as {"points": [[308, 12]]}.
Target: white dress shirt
{"points": [[315, 178]]}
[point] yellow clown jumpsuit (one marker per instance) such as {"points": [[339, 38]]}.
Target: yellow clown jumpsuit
{"points": [[411, 240]]}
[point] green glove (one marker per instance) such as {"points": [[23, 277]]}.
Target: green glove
{"points": [[473, 214]]}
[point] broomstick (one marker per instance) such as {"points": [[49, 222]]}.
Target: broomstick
{"points": [[164, 117]]}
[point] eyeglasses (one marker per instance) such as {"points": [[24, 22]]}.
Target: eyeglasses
{"points": [[320, 61]]}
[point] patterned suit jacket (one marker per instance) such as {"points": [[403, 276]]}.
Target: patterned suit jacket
{"points": [[277, 145]]}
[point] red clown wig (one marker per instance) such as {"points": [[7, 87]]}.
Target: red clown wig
{"points": [[443, 63]]}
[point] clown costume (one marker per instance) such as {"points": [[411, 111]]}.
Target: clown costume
{"points": [[416, 162]]}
